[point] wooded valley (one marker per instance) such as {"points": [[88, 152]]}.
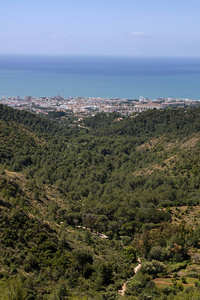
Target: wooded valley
{"points": [[79, 205]]}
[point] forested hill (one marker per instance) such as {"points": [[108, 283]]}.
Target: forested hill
{"points": [[148, 160], [151, 123], [147, 124], [113, 175]]}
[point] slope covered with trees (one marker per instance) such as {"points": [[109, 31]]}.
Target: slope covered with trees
{"points": [[61, 186]]}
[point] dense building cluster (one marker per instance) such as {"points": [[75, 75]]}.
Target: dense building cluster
{"points": [[90, 106]]}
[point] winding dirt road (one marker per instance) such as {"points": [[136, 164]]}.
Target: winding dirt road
{"points": [[136, 269]]}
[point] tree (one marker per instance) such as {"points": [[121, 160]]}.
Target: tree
{"points": [[154, 267], [130, 254], [105, 273], [82, 258]]}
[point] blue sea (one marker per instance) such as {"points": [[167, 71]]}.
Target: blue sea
{"points": [[121, 77]]}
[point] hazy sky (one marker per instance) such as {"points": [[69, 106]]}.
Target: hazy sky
{"points": [[101, 27]]}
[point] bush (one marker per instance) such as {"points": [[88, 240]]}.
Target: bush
{"points": [[153, 267], [168, 290], [183, 279], [130, 254]]}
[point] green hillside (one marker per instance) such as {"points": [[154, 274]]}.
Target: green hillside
{"points": [[78, 204]]}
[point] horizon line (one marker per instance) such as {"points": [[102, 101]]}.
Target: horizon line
{"points": [[98, 55]]}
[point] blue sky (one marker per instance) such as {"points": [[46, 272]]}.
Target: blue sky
{"points": [[101, 27]]}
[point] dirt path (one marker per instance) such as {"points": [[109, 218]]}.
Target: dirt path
{"points": [[136, 269], [100, 235], [122, 291]]}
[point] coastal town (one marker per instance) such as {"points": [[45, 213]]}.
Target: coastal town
{"points": [[82, 106]]}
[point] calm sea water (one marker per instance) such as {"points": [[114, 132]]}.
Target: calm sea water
{"points": [[99, 77]]}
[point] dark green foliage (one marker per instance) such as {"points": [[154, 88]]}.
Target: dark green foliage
{"points": [[82, 258], [105, 273], [136, 284], [130, 254]]}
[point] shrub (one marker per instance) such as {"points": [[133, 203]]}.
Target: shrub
{"points": [[153, 267], [183, 279]]}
